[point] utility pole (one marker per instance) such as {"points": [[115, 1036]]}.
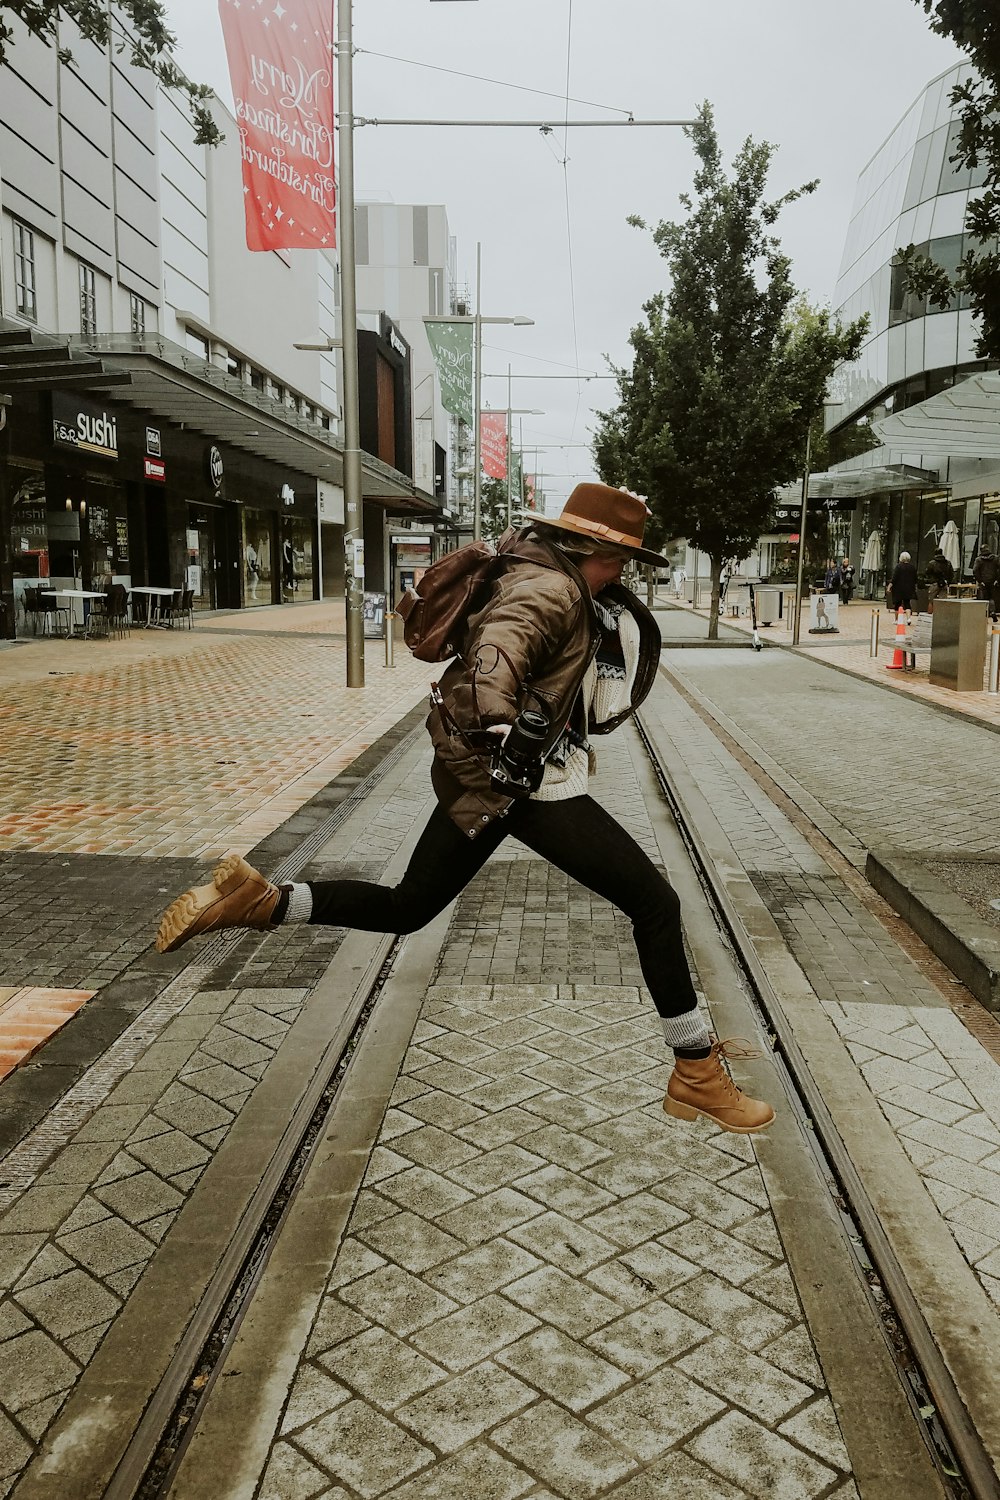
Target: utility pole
{"points": [[354, 570], [797, 622]]}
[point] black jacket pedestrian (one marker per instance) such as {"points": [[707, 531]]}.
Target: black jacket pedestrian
{"points": [[940, 571], [903, 584], [986, 572]]}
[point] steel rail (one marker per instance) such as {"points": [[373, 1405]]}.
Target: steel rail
{"points": [[970, 1454]]}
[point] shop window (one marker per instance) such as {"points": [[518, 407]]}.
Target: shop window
{"points": [[88, 300], [257, 380], [137, 315], [25, 282]]}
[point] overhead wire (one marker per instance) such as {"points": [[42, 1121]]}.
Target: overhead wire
{"points": [[501, 83], [569, 213]]}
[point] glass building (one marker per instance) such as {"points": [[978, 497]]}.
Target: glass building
{"points": [[906, 490]]}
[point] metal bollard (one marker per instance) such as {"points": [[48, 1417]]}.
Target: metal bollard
{"points": [[994, 678], [389, 643], [873, 641]]}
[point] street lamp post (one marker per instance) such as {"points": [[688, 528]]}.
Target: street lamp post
{"points": [[513, 411], [353, 512], [803, 514]]}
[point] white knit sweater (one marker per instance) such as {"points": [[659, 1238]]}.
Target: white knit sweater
{"points": [[606, 697]]}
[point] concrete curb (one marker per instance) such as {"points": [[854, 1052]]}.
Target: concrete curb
{"points": [[947, 924]]}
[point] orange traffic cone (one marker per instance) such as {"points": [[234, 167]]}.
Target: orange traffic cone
{"points": [[898, 663]]}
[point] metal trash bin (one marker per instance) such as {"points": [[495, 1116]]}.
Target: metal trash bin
{"points": [[768, 605]]}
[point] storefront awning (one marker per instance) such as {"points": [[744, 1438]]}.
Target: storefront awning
{"points": [[847, 484], [961, 422], [160, 377]]}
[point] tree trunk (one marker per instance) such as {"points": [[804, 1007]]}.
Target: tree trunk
{"points": [[713, 614]]}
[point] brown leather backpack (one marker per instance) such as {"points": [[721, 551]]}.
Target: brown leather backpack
{"points": [[435, 614]]}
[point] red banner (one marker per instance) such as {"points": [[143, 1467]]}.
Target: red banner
{"points": [[530, 486], [281, 66], [493, 436]]}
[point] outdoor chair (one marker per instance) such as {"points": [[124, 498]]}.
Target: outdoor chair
{"points": [[51, 610], [140, 605], [186, 610], [116, 610]]}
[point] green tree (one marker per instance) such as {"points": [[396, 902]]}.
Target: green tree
{"points": [[493, 509], [712, 415], [973, 25], [150, 43]]}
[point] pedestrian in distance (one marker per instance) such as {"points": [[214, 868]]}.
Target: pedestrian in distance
{"points": [[903, 583], [846, 580], [986, 572], [940, 576], [559, 638], [679, 580]]}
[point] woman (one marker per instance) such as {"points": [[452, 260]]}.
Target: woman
{"points": [[903, 584], [846, 580], [558, 633]]}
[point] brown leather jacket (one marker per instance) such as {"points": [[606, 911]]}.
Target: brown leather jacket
{"points": [[529, 646]]}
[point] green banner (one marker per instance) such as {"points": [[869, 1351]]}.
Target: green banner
{"points": [[451, 345]]}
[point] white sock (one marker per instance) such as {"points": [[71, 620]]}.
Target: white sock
{"points": [[300, 904], [686, 1030]]}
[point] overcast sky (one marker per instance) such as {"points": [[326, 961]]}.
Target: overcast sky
{"points": [[825, 82]]}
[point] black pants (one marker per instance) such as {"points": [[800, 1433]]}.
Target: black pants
{"points": [[578, 836]]}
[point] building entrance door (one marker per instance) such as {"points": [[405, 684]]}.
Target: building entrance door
{"points": [[200, 566]]}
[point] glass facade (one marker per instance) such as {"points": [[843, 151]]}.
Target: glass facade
{"points": [[911, 192]]}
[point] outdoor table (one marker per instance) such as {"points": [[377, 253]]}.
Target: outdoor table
{"points": [[72, 594], [158, 593]]}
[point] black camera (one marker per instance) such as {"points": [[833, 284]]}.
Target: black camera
{"points": [[516, 762]]}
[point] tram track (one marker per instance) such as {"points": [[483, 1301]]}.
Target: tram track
{"points": [[959, 1454], [152, 1457]]}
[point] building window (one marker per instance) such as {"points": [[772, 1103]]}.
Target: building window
{"points": [[234, 366], [196, 344], [88, 300], [137, 315], [24, 272]]}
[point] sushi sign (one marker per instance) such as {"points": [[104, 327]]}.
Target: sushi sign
{"points": [[84, 426]]}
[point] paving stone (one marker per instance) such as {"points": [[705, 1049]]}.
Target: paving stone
{"points": [[512, 1089], [49, 1262], [635, 1219], [84, 1345], [644, 1272], [706, 1200], [563, 1451], [715, 1251], [371, 1208], [495, 1169], [69, 1304], [477, 1471], [567, 1110], [817, 1429], [445, 1111], [485, 1218], [562, 1242], [41, 1210], [565, 1192], [647, 1338], [123, 1282], [425, 1192], [381, 1368], [334, 1323], [358, 1445], [383, 1164], [170, 1153], [396, 1123], [487, 1268], [78, 1164], [35, 1368], [760, 1462], [793, 1352], [397, 1300], [107, 1247], [776, 1287], [290, 1476], [411, 1241], [656, 1413], [562, 1368], [88, 1211], [474, 1332], [190, 1112], [12, 1321], [453, 1414], [144, 1196], [489, 1131], [438, 1149], [112, 1122], [37, 1418], [762, 1234], [745, 1380], [679, 1475], [560, 1299], [731, 1312], [123, 1164], [14, 1451]]}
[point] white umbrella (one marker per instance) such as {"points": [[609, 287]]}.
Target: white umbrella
{"points": [[872, 560], [950, 545]]}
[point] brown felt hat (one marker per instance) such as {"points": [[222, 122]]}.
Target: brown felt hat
{"points": [[604, 514]]}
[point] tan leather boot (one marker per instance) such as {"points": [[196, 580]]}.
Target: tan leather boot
{"points": [[239, 896], [703, 1086]]}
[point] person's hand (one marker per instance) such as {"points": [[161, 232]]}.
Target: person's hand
{"points": [[503, 730]]}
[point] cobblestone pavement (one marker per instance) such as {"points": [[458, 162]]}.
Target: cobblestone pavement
{"points": [[88, 1197], [850, 650], [185, 744], [937, 1086], [544, 1289]]}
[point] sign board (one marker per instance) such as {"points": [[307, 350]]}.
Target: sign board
{"points": [[412, 551], [358, 565], [121, 538], [214, 468], [153, 442], [373, 615], [155, 468], [824, 611], [84, 426], [330, 502], [192, 578]]}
